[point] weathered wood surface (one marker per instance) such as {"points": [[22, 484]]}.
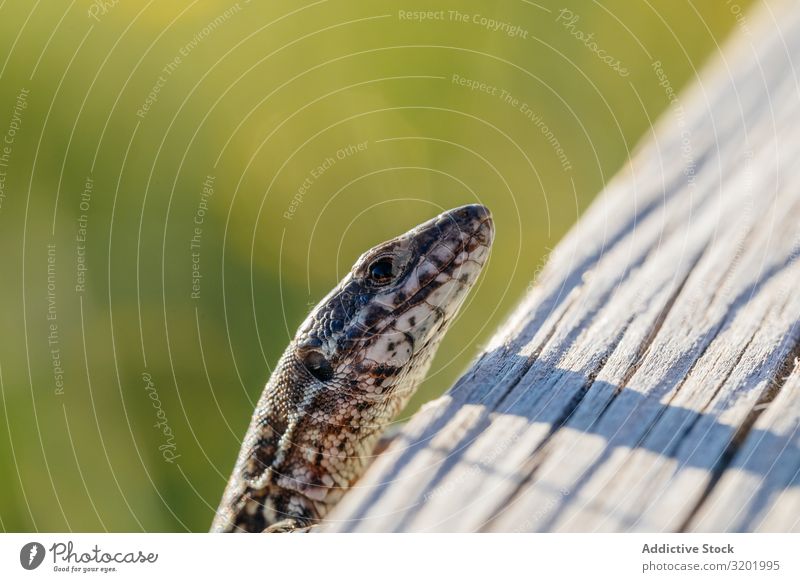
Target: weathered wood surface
{"points": [[649, 381]]}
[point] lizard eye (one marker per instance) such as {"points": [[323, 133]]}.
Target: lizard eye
{"points": [[317, 365], [381, 271]]}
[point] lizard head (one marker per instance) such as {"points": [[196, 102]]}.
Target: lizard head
{"points": [[385, 319]]}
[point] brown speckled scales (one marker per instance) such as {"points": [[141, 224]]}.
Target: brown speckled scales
{"points": [[354, 363]]}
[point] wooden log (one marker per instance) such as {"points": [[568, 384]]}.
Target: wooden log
{"points": [[649, 381]]}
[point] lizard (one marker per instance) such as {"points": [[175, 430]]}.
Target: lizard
{"points": [[352, 366]]}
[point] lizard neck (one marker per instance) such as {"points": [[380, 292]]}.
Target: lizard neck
{"points": [[296, 462]]}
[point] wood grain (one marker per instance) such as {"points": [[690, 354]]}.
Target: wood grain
{"points": [[649, 381]]}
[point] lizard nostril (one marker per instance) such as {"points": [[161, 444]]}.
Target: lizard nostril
{"points": [[472, 212]]}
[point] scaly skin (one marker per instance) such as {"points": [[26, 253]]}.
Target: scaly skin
{"points": [[353, 365]]}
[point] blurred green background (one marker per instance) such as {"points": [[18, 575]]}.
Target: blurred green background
{"points": [[125, 399]]}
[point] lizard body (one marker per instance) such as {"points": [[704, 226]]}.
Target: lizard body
{"points": [[354, 363]]}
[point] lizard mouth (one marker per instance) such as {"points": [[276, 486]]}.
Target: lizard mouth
{"points": [[465, 238]]}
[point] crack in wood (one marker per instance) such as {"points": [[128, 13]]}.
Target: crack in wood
{"points": [[539, 453], [769, 394]]}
